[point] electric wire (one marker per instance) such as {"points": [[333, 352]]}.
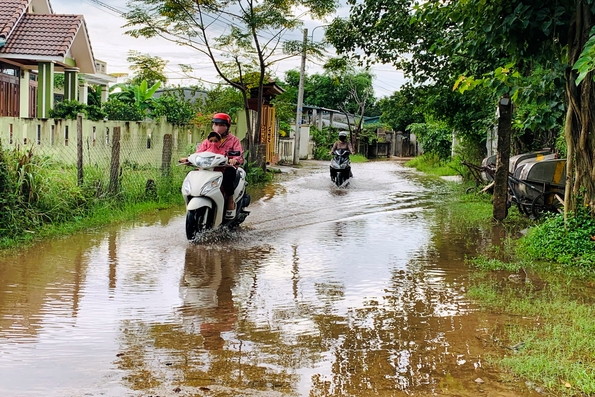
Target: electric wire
{"points": [[219, 20]]}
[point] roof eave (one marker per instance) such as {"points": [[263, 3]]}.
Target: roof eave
{"points": [[100, 78], [80, 49], [60, 61]]}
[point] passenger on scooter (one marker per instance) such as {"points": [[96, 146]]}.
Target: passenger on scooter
{"points": [[211, 144], [227, 143], [342, 143]]}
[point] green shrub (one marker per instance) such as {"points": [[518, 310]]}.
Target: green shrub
{"points": [[95, 113], [569, 244], [68, 110], [256, 175], [177, 110], [323, 141], [118, 110], [434, 138]]}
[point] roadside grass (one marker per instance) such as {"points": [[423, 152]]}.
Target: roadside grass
{"points": [[358, 158], [431, 164], [476, 209], [41, 196], [543, 281], [102, 213], [551, 329]]}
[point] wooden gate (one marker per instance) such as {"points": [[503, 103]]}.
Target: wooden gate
{"points": [[33, 95], [9, 93], [267, 132]]}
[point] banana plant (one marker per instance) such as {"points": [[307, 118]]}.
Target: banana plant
{"points": [[140, 95]]}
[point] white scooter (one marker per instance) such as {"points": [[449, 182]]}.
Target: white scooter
{"points": [[204, 196]]}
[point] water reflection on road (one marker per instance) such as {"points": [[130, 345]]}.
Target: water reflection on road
{"points": [[324, 292]]}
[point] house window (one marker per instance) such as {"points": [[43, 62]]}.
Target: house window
{"points": [[10, 139], [94, 135], [66, 136], [9, 70], [52, 129], [38, 134], [107, 135]]}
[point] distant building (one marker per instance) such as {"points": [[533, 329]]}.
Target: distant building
{"points": [[191, 94]]}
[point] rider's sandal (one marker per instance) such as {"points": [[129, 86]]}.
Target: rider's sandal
{"points": [[230, 214]]}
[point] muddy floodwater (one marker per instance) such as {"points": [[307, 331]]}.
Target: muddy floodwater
{"points": [[359, 291]]}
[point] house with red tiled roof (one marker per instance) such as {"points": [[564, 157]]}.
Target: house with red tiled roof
{"points": [[35, 44]]}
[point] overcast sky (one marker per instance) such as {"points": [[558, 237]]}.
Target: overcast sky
{"points": [[111, 45]]}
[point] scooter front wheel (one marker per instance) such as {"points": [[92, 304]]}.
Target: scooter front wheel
{"points": [[196, 222]]}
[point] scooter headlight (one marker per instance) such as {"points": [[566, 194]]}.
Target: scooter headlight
{"points": [[186, 188], [211, 185]]}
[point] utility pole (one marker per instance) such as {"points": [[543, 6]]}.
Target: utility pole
{"points": [[300, 103]]}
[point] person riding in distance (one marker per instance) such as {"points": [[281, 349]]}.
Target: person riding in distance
{"points": [[227, 143], [342, 143]]}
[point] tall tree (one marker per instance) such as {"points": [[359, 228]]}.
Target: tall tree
{"points": [[343, 87], [241, 38], [439, 40], [400, 110], [146, 67]]}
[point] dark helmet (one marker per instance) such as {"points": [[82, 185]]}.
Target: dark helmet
{"points": [[222, 118]]}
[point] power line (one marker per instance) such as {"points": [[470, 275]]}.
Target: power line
{"points": [[109, 7], [216, 19]]}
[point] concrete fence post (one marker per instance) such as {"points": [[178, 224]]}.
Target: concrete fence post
{"points": [[79, 148], [115, 162], [166, 154]]}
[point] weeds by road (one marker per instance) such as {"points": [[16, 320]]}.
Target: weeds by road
{"points": [[545, 282]]}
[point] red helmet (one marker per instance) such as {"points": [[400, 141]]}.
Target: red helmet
{"points": [[222, 118]]}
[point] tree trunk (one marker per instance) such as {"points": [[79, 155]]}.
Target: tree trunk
{"points": [[500, 210], [580, 120], [249, 132], [260, 159], [569, 201]]}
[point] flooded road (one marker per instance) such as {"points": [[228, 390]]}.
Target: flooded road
{"points": [[324, 292]]}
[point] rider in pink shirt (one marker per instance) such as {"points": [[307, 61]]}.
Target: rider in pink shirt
{"points": [[221, 141], [229, 143]]}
